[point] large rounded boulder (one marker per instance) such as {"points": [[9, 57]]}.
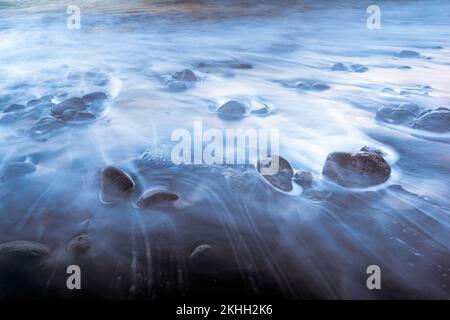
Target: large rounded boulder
{"points": [[356, 170]]}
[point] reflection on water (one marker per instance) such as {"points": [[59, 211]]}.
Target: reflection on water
{"points": [[316, 243]]}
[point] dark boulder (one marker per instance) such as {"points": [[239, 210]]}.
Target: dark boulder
{"points": [[116, 185], [279, 175], [356, 170]]}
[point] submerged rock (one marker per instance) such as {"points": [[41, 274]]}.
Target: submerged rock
{"points": [[263, 110], [14, 108], [74, 104], [185, 75], [435, 121], [318, 86], [17, 169], [177, 86], [279, 176], [359, 68], [7, 118], [356, 170], [156, 196], [408, 54], [79, 245], [45, 126], [411, 106], [232, 109], [70, 115], [116, 185], [201, 252], [338, 67], [395, 115], [33, 102], [23, 249], [241, 66], [94, 97], [304, 179]]}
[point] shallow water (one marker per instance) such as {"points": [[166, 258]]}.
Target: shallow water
{"points": [[266, 242]]}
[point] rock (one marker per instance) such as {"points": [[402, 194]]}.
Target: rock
{"points": [[408, 54], [356, 170], [177, 86], [16, 169], [232, 109], [7, 118], [263, 110], [14, 108], [338, 67], [435, 121], [404, 68], [394, 115], [281, 178], [319, 86], [70, 115], [75, 104], [201, 252], [33, 102], [442, 109], [23, 250], [359, 68], [45, 125], [411, 106], [94, 97], [185, 75], [156, 196], [241, 66], [116, 185], [304, 179], [371, 150], [79, 245]]}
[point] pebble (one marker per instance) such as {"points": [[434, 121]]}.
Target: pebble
{"points": [[232, 109], [156, 196], [79, 245], [75, 104], [23, 249]]}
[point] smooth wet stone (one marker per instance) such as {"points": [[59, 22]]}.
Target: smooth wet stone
{"points": [[79, 245], [14, 108], [303, 178], [156, 196], [116, 185], [395, 115], [232, 109], [244, 66], [45, 125], [318, 86], [177, 86], [261, 111], [435, 121], [404, 68], [408, 54], [94, 97], [33, 102], [359, 68], [70, 115], [7, 118], [185, 75], [15, 169], [24, 250], [338, 67], [279, 176], [75, 104], [356, 170], [411, 106]]}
